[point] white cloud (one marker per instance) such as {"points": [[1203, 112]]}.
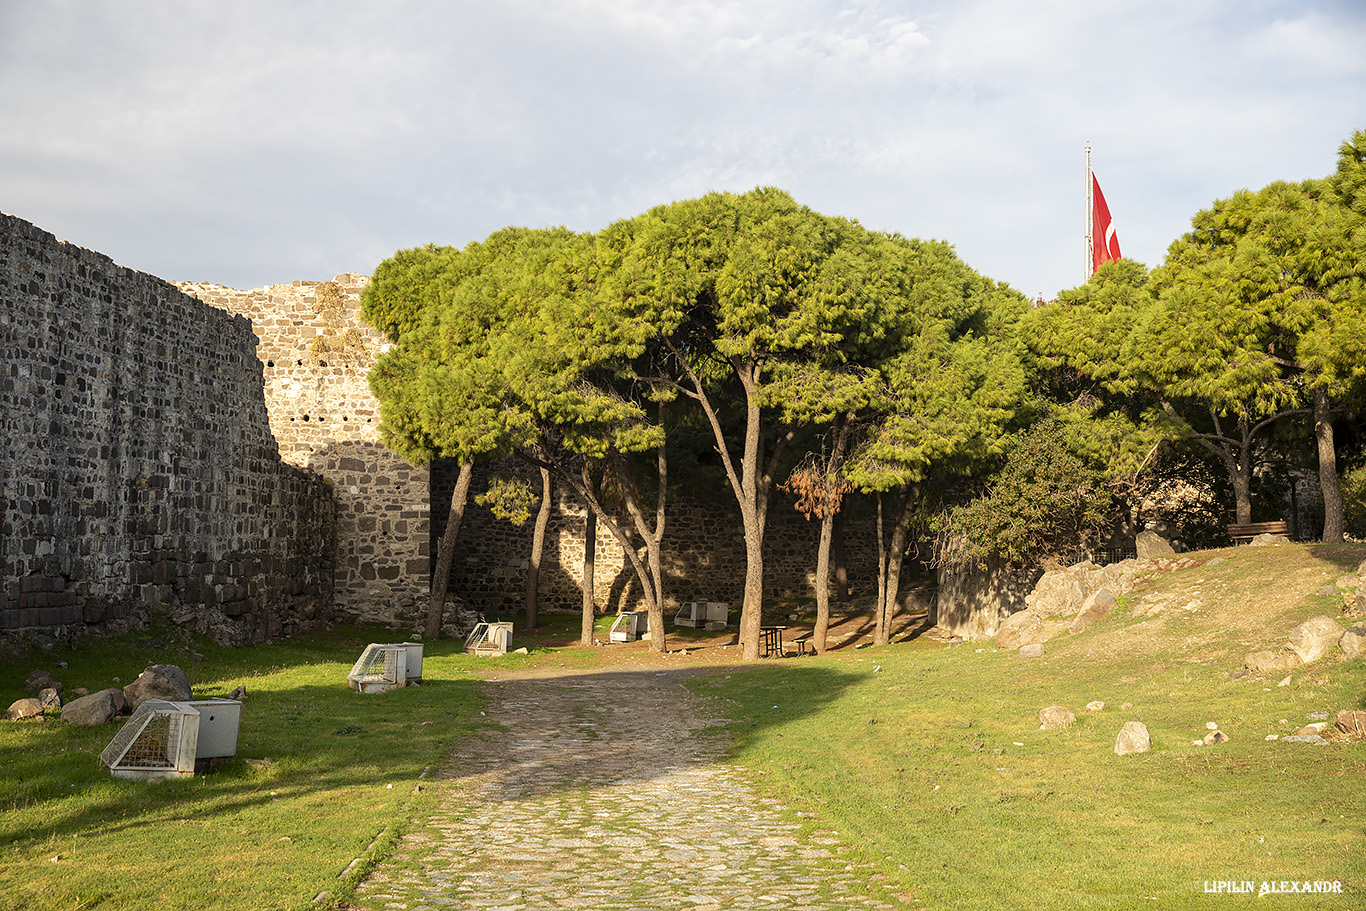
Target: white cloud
{"points": [[255, 142]]}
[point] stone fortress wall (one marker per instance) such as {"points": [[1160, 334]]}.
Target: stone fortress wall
{"points": [[138, 471], [315, 353]]}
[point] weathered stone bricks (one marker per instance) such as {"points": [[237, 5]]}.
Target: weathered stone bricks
{"points": [[135, 437]]}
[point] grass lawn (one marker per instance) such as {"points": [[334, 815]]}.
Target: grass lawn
{"points": [[929, 759], [933, 759], [255, 834]]}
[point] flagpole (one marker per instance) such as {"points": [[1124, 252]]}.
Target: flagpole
{"points": [[1090, 226]]}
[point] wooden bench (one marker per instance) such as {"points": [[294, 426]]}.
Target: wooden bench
{"points": [[1242, 534], [802, 642]]}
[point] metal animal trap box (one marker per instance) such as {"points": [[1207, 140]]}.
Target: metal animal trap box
{"points": [[629, 626], [219, 722], [386, 666], [159, 741], [712, 615], [489, 639]]}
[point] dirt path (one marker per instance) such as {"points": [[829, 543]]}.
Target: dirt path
{"points": [[604, 792]]}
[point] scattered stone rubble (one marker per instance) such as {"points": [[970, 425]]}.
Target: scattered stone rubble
{"points": [[158, 681]]}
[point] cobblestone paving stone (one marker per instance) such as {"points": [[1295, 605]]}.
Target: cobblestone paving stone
{"points": [[603, 792]]}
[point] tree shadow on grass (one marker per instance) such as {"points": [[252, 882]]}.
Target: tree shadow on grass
{"points": [[294, 743], [1346, 556]]}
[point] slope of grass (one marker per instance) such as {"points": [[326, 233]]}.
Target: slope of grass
{"points": [[935, 761]]}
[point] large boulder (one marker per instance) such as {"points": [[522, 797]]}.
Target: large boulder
{"points": [[1027, 628], [973, 600], [50, 698], [159, 681], [1117, 577], [1060, 593], [24, 708], [1315, 637], [1097, 606], [1353, 642], [97, 708], [1149, 545], [1133, 738], [1266, 539]]}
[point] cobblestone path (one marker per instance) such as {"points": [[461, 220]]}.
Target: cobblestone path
{"points": [[603, 792]]}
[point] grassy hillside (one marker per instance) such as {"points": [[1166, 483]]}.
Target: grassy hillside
{"points": [[933, 759]]}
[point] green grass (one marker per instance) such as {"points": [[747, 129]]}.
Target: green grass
{"points": [[928, 759], [342, 772], [933, 760]]}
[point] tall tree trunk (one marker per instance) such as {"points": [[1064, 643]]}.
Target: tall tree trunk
{"points": [[843, 429], [880, 605], [533, 574], [1240, 476], [890, 557], [818, 636], [751, 483], [839, 559], [445, 552], [641, 572], [751, 611], [652, 535], [896, 555], [1328, 468], [590, 550]]}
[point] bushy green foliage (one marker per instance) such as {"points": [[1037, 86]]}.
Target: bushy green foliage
{"points": [[1045, 502], [509, 498], [1354, 501]]}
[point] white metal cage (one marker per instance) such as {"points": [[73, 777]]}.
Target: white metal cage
{"points": [[159, 741], [712, 615], [629, 626], [489, 639], [380, 668]]}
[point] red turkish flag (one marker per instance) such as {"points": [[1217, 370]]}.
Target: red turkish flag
{"points": [[1104, 242]]}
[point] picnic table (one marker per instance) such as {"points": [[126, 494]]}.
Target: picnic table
{"points": [[772, 640]]}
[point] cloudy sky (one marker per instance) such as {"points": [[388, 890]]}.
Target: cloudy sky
{"points": [[249, 142]]}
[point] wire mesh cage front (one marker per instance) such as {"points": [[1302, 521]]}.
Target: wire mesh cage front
{"points": [[159, 738], [380, 667], [378, 663]]}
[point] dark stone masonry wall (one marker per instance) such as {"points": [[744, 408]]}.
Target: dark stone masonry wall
{"points": [[704, 554], [214, 454], [137, 467]]}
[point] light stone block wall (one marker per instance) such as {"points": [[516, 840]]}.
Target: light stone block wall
{"points": [[315, 354]]}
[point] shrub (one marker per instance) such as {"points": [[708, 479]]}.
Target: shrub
{"points": [[1047, 501], [1353, 485]]}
